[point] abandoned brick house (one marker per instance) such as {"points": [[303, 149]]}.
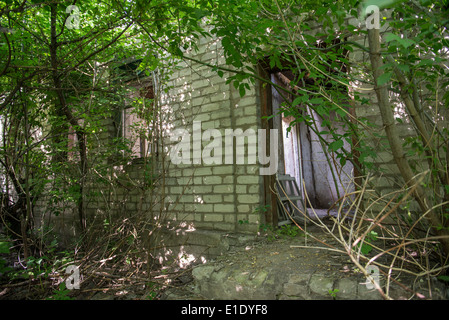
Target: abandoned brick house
{"points": [[208, 208]]}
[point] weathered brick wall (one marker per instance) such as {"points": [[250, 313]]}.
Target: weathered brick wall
{"points": [[220, 197], [201, 198], [209, 207]]}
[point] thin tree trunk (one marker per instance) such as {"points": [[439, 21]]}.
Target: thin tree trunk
{"points": [[28, 217], [417, 120], [68, 114], [395, 142]]}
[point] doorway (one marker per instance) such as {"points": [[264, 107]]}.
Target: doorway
{"points": [[303, 155]]}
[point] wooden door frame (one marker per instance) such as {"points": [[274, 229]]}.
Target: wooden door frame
{"points": [[269, 181]]}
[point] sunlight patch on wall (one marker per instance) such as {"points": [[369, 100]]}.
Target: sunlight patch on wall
{"points": [[185, 259], [198, 199]]}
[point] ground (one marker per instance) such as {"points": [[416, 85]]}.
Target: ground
{"points": [[296, 267], [280, 265]]}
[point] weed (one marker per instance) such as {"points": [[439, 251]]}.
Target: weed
{"points": [[284, 231], [62, 293], [262, 209], [4, 248], [152, 293], [366, 247], [333, 293], [288, 230]]}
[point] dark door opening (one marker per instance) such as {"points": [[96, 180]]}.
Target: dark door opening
{"points": [[304, 156]]}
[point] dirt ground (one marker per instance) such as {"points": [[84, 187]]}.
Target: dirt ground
{"points": [[320, 254], [274, 250], [286, 253]]}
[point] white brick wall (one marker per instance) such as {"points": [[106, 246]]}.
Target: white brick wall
{"points": [[216, 197], [221, 191]]}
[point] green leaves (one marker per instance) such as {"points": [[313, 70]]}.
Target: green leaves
{"points": [[384, 78], [404, 42], [336, 145], [4, 247], [242, 90], [62, 293], [366, 247], [299, 100]]}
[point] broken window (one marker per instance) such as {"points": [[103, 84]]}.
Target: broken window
{"points": [[134, 133], [134, 124]]}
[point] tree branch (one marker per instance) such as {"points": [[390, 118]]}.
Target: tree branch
{"points": [[395, 142]]}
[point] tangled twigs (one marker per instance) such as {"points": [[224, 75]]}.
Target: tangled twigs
{"points": [[383, 239]]}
